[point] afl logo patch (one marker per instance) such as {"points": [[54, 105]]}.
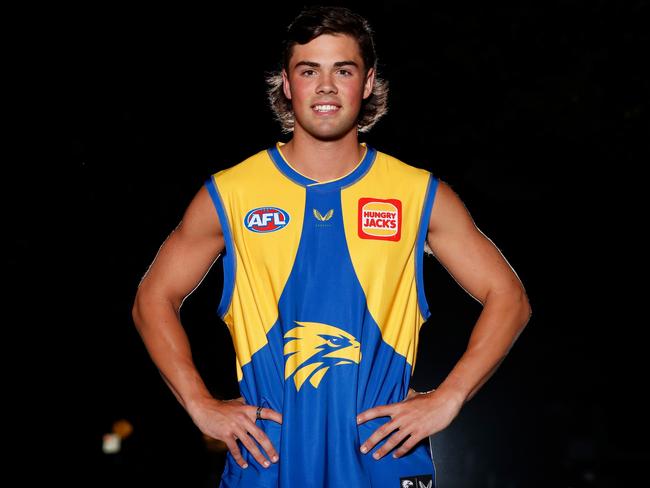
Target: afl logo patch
{"points": [[380, 219], [266, 219]]}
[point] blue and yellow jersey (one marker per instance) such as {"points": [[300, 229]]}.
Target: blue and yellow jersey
{"points": [[324, 300]]}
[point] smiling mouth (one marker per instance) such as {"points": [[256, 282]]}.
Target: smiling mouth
{"points": [[325, 108]]}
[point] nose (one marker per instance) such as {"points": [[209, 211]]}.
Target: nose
{"points": [[326, 84]]}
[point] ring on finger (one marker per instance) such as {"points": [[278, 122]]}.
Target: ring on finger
{"points": [[259, 413]]}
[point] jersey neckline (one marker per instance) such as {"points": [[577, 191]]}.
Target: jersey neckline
{"points": [[346, 180]]}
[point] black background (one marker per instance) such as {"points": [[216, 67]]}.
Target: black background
{"points": [[535, 113]]}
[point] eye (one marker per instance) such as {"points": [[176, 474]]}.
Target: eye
{"points": [[333, 340], [308, 72], [345, 72]]}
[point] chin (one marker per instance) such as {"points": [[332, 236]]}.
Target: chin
{"points": [[329, 136], [333, 134]]}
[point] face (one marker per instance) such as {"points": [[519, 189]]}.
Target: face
{"points": [[326, 84]]}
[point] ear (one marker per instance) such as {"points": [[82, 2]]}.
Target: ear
{"points": [[369, 83], [286, 87]]}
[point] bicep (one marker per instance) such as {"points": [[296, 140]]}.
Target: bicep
{"points": [[467, 254], [187, 254]]}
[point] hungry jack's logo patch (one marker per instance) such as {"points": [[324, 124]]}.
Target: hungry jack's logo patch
{"points": [[380, 219]]}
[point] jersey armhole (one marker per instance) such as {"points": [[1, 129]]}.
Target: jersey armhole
{"points": [[229, 262], [429, 198]]}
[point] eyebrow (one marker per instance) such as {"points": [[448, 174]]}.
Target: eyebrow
{"points": [[338, 64]]}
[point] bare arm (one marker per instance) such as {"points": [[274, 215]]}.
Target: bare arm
{"points": [[479, 267], [179, 267]]}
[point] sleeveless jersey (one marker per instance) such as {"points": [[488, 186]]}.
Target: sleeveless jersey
{"points": [[323, 297]]}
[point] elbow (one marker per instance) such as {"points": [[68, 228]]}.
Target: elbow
{"points": [[140, 308], [523, 304], [516, 300], [150, 303], [526, 303], [136, 310]]}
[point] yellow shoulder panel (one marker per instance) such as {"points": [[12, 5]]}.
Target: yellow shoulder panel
{"points": [[385, 266], [257, 184]]}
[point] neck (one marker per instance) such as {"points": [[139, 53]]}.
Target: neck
{"points": [[323, 160]]}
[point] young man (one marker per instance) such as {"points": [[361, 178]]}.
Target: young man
{"points": [[323, 240]]}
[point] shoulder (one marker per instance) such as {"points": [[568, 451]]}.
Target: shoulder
{"points": [[207, 207], [201, 216], [399, 170], [448, 210], [245, 169]]}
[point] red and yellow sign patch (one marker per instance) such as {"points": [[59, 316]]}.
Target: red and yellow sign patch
{"points": [[380, 219]]}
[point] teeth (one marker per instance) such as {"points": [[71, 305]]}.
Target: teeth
{"points": [[325, 108]]}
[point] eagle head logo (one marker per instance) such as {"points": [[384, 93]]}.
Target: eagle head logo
{"points": [[313, 348]]}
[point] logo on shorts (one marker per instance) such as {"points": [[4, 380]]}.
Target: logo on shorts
{"points": [[266, 219], [380, 219], [420, 481]]}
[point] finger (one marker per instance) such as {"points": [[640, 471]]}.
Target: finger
{"points": [[378, 435], [265, 442], [270, 414], [373, 413], [236, 453], [392, 441], [247, 440], [407, 446]]}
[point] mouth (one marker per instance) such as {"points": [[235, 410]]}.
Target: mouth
{"points": [[325, 108]]}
